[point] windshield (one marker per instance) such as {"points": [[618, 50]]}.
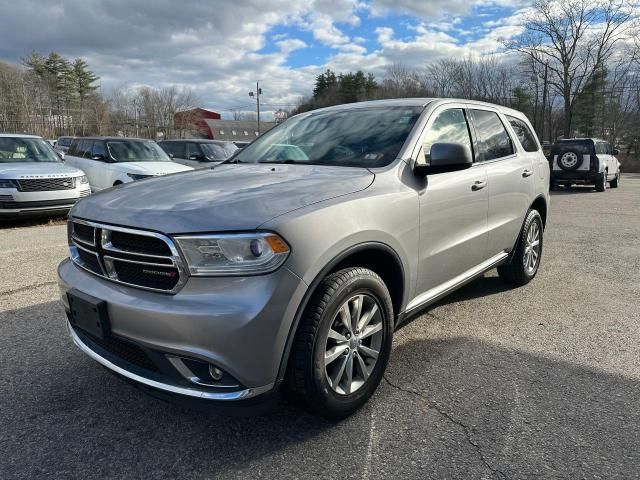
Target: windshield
{"points": [[136, 151], [218, 151], [360, 137], [24, 150]]}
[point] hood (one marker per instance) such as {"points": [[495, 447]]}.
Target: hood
{"points": [[153, 168], [19, 170], [227, 198]]}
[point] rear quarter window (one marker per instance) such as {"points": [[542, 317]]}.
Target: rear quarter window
{"points": [[525, 136]]}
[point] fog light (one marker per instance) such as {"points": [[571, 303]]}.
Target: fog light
{"points": [[215, 373]]}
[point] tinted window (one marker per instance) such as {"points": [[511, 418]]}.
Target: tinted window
{"points": [[493, 140], [602, 148], [449, 126], [218, 151], [136, 151], [353, 137], [525, 135], [98, 149], [193, 150], [83, 149]]}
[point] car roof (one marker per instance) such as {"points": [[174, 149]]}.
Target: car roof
{"points": [[419, 102], [17, 135], [112, 138], [195, 140]]}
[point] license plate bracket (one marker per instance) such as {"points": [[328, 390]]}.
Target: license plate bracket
{"points": [[88, 313]]}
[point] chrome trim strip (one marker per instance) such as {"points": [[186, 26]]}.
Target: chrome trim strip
{"points": [[78, 261], [110, 273], [189, 392], [440, 291], [105, 241]]}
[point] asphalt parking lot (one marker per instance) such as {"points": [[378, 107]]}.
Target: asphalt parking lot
{"points": [[535, 382]]}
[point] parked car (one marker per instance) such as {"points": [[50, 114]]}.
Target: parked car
{"points": [[198, 153], [63, 144], [584, 161], [34, 180], [220, 286], [111, 161]]}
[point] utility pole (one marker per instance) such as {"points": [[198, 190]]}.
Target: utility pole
{"points": [[135, 114], [257, 95]]}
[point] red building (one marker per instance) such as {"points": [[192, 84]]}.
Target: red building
{"points": [[194, 120]]}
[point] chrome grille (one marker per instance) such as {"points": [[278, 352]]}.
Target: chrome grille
{"points": [[45, 184], [131, 257]]}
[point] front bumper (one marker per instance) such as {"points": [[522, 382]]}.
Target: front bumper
{"points": [[14, 203], [240, 325]]}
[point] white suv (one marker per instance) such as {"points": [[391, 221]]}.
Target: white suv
{"points": [[110, 161], [585, 161], [34, 180]]}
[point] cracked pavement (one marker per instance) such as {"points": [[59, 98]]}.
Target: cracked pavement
{"points": [[535, 382]]}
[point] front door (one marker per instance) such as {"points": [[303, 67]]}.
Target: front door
{"points": [[453, 207]]}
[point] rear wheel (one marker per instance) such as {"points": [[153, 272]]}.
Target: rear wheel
{"points": [[601, 182], [525, 260], [343, 343]]}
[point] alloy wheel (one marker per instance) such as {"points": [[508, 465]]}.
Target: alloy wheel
{"points": [[532, 248], [353, 344]]}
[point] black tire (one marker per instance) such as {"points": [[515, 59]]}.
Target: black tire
{"points": [[601, 182], [515, 271], [306, 375], [570, 160], [616, 181]]}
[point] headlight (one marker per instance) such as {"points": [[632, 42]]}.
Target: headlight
{"points": [[83, 180], [241, 254], [137, 176], [7, 183]]}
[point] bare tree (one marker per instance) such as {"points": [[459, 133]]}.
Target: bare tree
{"points": [[573, 39]]}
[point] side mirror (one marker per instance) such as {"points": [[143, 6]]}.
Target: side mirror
{"points": [[195, 157], [60, 154], [98, 157], [446, 157], [171, 155], [616, 151]]}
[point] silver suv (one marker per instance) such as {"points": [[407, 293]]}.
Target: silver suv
{"points": [[292, 263]]}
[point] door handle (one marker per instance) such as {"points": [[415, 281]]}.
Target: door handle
{"points": [[478, 185], [527, 173]]}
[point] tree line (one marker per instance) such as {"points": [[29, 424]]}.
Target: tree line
{"points": [[574, 71], [53, 96]]}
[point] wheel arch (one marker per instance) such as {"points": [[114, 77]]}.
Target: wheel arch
{"points": [[376, 256], [540, 204]]}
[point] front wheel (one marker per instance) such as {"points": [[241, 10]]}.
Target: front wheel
{"points": [[616, 181], [525, 260], [343, 343]]}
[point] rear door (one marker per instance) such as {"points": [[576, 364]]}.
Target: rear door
{"points": [[453, 207], [510, 173]]}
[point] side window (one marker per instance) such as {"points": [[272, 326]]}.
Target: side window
{"points": [[72, 148], [193, 149], [449, 126], [81, 148], [525, 136], [97, 149], [493, 140]]}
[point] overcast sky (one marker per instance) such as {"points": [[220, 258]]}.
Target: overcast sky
{"points": [[220, 48]]}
